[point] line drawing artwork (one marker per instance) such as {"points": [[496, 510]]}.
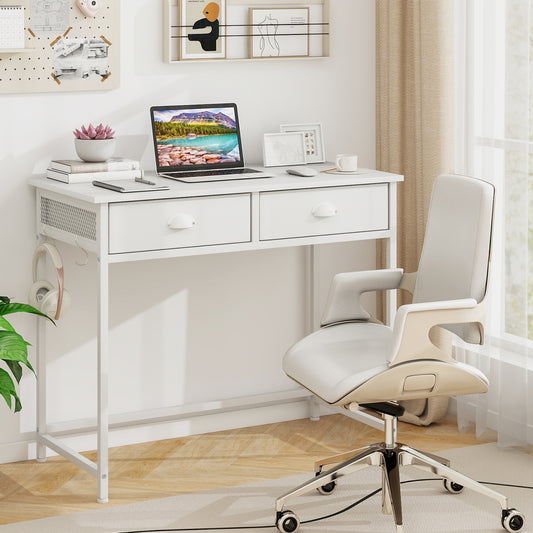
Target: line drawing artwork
{"points": [[268, 44], [279, 32]]}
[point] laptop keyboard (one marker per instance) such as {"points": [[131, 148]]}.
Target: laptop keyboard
{"points": [[220, 172]]}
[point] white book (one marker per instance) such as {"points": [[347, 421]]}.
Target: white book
{"points": [[11, 27], [84, 177], [75, 166]]}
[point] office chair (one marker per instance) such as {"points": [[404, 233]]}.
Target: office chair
{"points": [[356, 362]]}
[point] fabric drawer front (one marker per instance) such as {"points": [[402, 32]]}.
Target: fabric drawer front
{"points": [[324, 211], [164, 224]]}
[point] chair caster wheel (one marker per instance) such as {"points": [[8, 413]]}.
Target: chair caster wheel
{"points": [[328, 488], [288, 522], [452, 487], [512, 520]]}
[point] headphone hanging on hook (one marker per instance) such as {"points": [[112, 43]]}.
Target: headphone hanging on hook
{"points": [[43, 295]]}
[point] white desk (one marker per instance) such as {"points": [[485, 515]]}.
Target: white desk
{"points": [[195, 219]]}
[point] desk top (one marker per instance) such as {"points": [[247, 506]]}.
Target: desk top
{"points": [[280, 180]]}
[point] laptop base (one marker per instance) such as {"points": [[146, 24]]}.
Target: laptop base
{"points": [[202, 176]]}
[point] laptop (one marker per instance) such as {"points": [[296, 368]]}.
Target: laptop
{"points": [[199, 143]]}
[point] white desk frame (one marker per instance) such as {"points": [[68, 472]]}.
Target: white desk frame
{"points": [[98, 203]]}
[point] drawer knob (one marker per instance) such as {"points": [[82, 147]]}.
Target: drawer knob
{"points": [[324, 210], [181, 221]]}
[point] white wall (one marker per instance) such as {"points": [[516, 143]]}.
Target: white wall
{"points": [[193, 329]]}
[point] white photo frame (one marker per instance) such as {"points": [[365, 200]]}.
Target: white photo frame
{"points": [[193, 41], [279, 32], [281, 149], [313, 140]]}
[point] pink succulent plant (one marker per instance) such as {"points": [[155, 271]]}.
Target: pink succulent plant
{"points": [[92, 132]]}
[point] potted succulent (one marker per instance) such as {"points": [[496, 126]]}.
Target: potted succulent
{"points": [[94, 143], [13, 351]]}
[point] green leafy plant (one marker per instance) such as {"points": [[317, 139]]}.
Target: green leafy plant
{"points": [[13, 350]]}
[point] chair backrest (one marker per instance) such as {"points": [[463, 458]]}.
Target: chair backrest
{"points": [[456, 253]]}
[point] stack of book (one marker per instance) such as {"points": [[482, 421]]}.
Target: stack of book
{"points": [[76, 171]]}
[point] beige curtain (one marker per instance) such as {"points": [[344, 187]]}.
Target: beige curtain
{"points": [[415, 124]]}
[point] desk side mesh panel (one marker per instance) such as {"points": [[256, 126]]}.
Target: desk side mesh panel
{"points": [[68, 218]]}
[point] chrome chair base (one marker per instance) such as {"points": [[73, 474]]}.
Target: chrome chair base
{"points": [[389, 456]]}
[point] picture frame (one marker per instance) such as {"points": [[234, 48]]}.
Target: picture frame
{"points": [[313, 140], [282, 149], [278, 32], [195, 17]]}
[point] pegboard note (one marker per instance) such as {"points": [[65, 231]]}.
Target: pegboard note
{"points": [[63, 50], [11, 27]]}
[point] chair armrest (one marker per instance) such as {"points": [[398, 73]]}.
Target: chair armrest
{"points": [[344, 298], [413, 322]]}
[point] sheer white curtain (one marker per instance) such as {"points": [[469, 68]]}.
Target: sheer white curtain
{"points": [[494, 141]]}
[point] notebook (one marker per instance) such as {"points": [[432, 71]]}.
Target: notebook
{"points": [[199, 143], [11, 27]]}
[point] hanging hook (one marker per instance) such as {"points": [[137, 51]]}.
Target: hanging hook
{"points": [[85, 260]]}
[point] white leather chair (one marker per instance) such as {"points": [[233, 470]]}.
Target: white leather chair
{"points": [[355, 362]]}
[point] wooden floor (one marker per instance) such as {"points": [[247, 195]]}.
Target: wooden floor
{"points": [[31, 490]]}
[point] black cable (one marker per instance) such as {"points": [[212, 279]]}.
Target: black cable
{"points": [[505, 485], [345, 509], [351, 506]]}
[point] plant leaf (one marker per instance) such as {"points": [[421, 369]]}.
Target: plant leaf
{"points": [[9, 308], [14, 348], [7, 389], [15, 368], [5, 324]]}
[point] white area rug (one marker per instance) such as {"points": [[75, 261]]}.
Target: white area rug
{"points": [[427, 507]]}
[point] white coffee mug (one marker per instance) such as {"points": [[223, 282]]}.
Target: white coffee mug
{"points": [[346, 162]]}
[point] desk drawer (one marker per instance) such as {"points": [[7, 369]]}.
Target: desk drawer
{"points": [[163, 224], [324, 211]]}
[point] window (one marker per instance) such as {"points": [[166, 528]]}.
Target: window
{"points": [[495, 142]]}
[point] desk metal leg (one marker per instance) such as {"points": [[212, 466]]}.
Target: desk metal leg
{"points": [[103, 381], [103, 365], [311, 309], [312, 280], [40, 351], [391, 252]]}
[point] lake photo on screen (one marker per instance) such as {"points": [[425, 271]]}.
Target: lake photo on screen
{"points": [[196, 137]]}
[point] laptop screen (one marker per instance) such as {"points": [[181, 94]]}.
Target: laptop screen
{"points": [[196, 137]]}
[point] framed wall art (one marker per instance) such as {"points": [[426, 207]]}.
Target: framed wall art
{"points": [[279, 32], [202, 29], [313, 140], [280, 149]]}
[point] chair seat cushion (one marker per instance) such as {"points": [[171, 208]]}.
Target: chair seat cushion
{"points": [[335, 360]]}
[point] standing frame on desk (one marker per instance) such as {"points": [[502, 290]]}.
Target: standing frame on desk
{"points": [[313, 140]]}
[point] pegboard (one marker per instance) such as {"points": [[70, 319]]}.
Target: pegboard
{"points": [[64, 50]]}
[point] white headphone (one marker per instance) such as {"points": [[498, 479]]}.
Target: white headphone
{"points": [[43, 295]]}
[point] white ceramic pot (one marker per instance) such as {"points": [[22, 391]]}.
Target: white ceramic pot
{"points": [[95, 149]]}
